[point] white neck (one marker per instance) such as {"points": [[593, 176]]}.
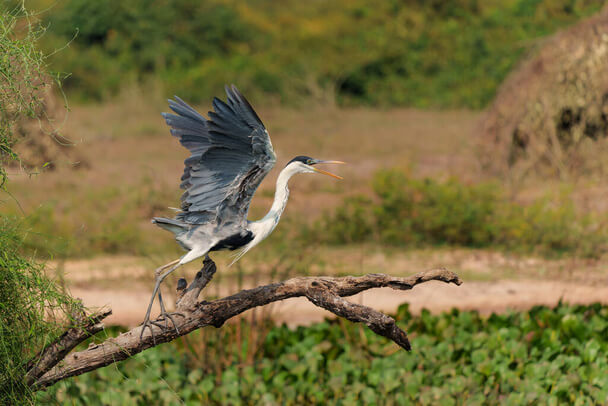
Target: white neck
{"points": [[266, 225], [262, 228], [281, 194]]}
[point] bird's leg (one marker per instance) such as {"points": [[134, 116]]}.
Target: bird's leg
{"points": [[166, 315], [159, 276]]}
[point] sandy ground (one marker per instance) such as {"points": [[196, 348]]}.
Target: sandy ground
{"points": [[487, 297], [124, 284]]}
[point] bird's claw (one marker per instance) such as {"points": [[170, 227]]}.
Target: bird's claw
{"points": [[166, 316], [147, 324]]}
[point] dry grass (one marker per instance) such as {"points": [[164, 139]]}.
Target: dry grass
{"points": [[551, 114]]}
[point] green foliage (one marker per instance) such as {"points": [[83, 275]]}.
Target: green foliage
{"points": [[543, 356], [414, 212], [426, 54], [121, 41], [16, 315]]}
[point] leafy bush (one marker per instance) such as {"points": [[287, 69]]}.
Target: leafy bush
{"points": [[542, 356], [416, 212], [441, 54], [117, 42]]}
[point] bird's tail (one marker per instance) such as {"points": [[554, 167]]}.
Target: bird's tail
{"points": [[175, 226]]}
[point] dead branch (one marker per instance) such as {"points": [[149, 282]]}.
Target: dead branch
{"points": [[187, 297], [325, 292], [84, 327]]}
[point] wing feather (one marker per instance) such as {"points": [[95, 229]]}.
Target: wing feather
{"points": [[231, 153]]}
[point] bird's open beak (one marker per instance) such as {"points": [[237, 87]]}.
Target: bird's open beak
{"points": [[325, 172]]}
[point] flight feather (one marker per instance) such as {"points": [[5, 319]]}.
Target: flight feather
{"points": [[231, 153]]}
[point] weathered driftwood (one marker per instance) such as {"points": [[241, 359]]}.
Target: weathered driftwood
{"points": [[55, 364]]}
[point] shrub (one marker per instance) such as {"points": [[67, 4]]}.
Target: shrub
{"points": [[418, 212], [32, 311]]}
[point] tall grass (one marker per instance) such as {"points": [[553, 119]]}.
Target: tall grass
{"points": [[32, 307], [32, 310]]}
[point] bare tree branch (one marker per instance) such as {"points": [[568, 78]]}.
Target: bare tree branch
{"points": [[85, 327], [326, 292], [378, 322]]}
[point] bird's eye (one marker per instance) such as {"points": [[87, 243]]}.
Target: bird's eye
{"points": [[309, 162]]}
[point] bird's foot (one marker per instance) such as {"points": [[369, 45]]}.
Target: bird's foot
{"points": [[166, 316], [147, 324]]}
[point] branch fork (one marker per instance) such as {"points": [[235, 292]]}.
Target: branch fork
{"points": [[55, 362]]}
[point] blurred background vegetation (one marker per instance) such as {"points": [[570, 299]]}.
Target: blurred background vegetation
{"points": [[426, 212], [439, 54]]}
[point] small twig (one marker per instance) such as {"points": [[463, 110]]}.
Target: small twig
{"points": [[326, 292], [189, 296], [182, 284]]}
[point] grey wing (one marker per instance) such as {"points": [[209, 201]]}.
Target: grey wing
{"points": [[230, 155]]}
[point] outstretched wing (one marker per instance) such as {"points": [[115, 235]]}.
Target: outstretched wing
{"points": [[231, 154]]}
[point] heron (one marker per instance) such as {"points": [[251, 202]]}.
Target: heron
{"points": [[231, 154]]}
